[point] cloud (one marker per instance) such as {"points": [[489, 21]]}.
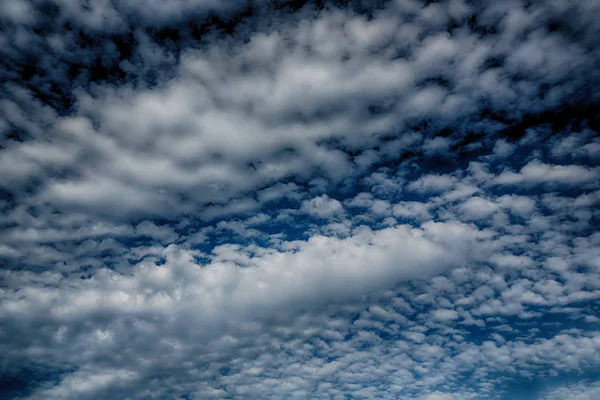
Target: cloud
{"points": [[322, 207], [477, 208], [320, 269], [444, 315], [433, 183], [299, 200], [438, 396], [573, 392], [536, 172]]}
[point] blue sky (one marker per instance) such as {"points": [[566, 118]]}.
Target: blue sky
{"points": [[299, 200]]}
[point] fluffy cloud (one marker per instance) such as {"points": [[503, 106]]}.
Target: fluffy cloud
{"points": [[536, 172], [574, 392], [322, 207], [299, 200]]}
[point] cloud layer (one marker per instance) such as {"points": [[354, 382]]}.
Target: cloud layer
{"points": [[299, 200]]}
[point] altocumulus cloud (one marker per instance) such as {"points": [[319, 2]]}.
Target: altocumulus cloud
{"points": [[297, 199]]}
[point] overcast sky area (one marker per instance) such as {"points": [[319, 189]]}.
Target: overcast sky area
{"points": [[204, 199]]}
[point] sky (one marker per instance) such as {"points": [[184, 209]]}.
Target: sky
{"points": [[206, 199]]}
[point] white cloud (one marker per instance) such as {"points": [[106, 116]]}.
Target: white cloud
{"points": [[438, 396], [216, 218], [511, 261], [412, 210], [433, 183], [322, 207], [537, 172], [477, 208], [444, 315], [519, 205], [581, 391]]}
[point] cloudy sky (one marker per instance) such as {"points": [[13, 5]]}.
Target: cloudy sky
{"points": [[205, 199]]}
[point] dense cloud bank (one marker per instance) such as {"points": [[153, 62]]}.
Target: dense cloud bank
{"points": [[299, 200]]}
